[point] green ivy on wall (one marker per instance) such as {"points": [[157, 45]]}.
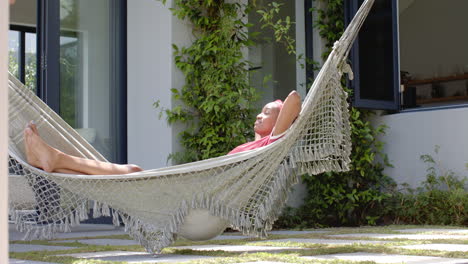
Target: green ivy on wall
{"points": [[217, 101]]}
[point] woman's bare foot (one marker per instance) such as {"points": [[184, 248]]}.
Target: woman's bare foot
{"points": [[38, 153], [43, 156]]}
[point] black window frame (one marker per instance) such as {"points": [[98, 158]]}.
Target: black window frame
{"points": [[48, 48], [351, 8], [309, 46]]}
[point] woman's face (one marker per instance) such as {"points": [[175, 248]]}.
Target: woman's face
{"points": [[266, 120]]}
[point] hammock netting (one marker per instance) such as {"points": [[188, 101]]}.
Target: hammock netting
{"points": [[244, 191]]}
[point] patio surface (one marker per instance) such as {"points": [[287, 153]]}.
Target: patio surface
{"points": [[90, 243]]}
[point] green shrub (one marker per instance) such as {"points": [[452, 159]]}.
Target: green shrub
{"points": [[441, 200]]}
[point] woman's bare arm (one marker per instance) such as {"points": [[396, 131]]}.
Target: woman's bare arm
{"points": [[291, 109]]}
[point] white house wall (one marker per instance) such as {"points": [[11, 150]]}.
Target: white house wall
{"points": [[182, 36], [149, 55], [410, 135]]}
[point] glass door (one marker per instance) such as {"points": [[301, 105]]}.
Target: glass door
{"points": [[22, 42], [83, 74]]}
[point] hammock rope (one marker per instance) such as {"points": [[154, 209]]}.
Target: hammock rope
{"points": [[245, 191]]}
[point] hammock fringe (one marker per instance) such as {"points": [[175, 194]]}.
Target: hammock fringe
{"points": [[253, 225], [268, 212]]}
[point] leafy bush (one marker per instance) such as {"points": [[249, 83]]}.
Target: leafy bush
{"points": [[441, 200]]}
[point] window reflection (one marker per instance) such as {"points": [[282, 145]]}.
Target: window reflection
{"points": [[13, 53], [22, 55], [88, 73]]}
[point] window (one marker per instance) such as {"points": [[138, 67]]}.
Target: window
{"points": [[80, 51], [22, 54], [275, 72], [374, 57], [413, 52], [71, 86], [434, 58], [85, 77]]}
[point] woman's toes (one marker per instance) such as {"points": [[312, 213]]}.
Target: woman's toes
{"points": [[38, 153], [27, 145], [27, 132], [34, 128]]}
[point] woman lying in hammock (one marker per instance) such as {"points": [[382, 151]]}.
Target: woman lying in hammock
{"points": [[274, 120]]}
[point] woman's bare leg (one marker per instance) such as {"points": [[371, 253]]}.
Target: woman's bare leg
{"points": [[43, 156]]}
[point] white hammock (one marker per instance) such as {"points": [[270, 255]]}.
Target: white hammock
{"points": [[245, 191]]}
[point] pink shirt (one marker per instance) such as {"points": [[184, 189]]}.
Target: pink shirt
{"points": [[256, 144]]}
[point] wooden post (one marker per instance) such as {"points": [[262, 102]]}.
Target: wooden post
{"points": [[4, 17]]}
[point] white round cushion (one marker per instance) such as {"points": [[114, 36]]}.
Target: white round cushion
{"points": [[199, 224]]}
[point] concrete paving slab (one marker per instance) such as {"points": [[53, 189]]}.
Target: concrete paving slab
{"points": [[103, 254], [462, 231], [440, 247], [136, 257], [387, 258], [328, 241], [90, 234], [236, 248], [22, 261], [104, 242], [32, 247], [94, 227], [292, 232], [13, 234], [85, 230], [401, 236], [83, 227]]}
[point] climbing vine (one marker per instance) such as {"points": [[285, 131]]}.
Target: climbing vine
{"points": [[217, 101]]}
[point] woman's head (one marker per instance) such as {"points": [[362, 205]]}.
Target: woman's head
{"points": [[266, 120]]}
